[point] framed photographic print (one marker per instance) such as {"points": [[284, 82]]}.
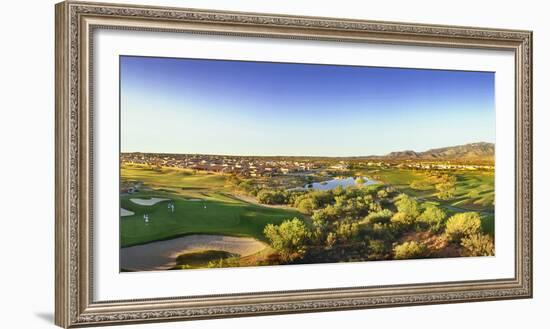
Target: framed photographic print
{"points": [[218, 164]]}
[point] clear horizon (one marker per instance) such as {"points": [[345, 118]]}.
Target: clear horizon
{"points": [[305, 155], [219, 107]]}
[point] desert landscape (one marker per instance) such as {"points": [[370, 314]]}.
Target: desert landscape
{"points": [[217, 211], [227, 163]]}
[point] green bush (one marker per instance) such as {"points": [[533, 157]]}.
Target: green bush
{"points": [[203, 257], [382, 216], [313, 200], [407, 210], [381, 231], [289, 238], [462, 225], [272, 197], [432, 217], [247, 186], [378, 250], [331, 239], [224, 262], [478, 245], [410, 249], [446, 187], [346, 231], [382, 194]]}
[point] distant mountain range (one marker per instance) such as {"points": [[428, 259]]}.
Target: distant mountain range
{"points": [[481, 152], [468, 152]]}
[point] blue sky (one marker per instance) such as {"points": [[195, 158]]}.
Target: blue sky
{"points": [[256, 108]]}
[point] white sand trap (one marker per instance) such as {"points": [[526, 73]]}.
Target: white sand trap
{"points": [[161, 255], [124, 212], [147, 202]]}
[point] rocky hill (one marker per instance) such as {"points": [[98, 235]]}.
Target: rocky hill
{"points": [[481, 151]]}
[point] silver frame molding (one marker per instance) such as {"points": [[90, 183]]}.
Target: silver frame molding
{"points": [[75, 24]]}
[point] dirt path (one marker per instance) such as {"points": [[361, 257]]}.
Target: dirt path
{"points": [[161, 255]]}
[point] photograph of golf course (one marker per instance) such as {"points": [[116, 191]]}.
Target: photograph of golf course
{"points": [[240, 163]]}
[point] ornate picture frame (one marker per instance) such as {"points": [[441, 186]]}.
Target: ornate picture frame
{"points": [[75, 24]]}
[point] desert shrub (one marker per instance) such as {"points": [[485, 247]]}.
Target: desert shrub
{"points": [[353, 206], [478, 245], [314, 200], [410, 249], [368, 190], [446, 187], [462, 225], [224, 262], [331, 239], [289, 238], [304, 205], [382, 231], [375, 207], [272, 197], [346, 231], [378, 249], [248, 187], [202, 257], [382, 216], [182, 267], [432, 217], [330, 213], [206, 258], [407, 210], [382, 194], [319, 229], [338, 190]]}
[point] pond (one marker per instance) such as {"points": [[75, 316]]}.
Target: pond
{"points": [[339, 181]]}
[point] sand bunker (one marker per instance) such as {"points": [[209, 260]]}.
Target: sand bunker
{"points": [[124, 212], [161, 255], [147, 202]]}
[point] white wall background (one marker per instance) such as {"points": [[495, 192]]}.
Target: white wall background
{"points": [[27, 162]]}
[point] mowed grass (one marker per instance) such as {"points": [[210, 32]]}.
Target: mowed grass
{"points": [[201, 206], [173, 179], [213, 215], [394, 176], [474, 189]]}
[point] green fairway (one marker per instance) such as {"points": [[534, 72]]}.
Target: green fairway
{"points": [[200, 206], [474, 189], [394, 176], [173, 180]]}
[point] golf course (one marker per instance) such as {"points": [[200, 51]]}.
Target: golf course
{"points": [[246, 163], [473, 191], [202, 205], [180, 218]]}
